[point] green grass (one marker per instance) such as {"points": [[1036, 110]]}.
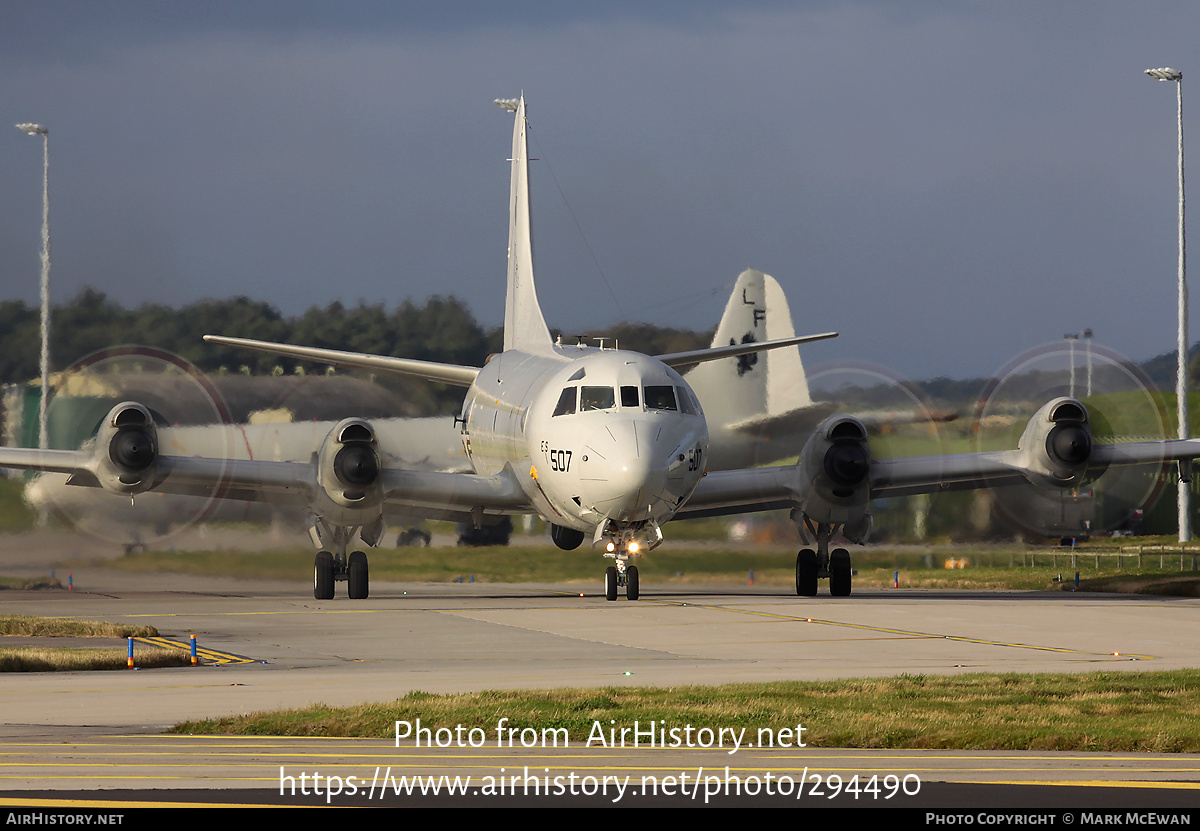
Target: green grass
{"points": [[988, 566], [56, 627], [59, 659], [43, 659], [15, 514], [1123, 712]]}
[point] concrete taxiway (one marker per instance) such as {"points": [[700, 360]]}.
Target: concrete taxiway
{"points": [[277, 647]]}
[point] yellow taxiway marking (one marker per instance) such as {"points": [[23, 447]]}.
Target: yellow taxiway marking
{"points": [[208, 656], [901, 633]]}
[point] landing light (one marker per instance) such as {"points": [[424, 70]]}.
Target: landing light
{"points": [[611, 547], [633, 547]]}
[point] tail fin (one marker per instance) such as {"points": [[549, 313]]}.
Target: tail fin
{"points": [[524, 325], [759, 384]]}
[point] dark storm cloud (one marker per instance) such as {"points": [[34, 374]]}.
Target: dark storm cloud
{"points": [[946, 184]]}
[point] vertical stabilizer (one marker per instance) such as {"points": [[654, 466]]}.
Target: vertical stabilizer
{"points": [[734, 390], [787, 385], [524, 326]]}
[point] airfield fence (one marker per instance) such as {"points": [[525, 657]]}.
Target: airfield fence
{"points": [[1187, 555]]}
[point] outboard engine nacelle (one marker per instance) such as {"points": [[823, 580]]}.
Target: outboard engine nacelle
{"points": [[1057, 443], [834, 473], [127, 449]]}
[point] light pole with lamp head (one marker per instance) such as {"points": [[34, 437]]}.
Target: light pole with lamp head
{"points": [[39, 130], [1181, 385]]}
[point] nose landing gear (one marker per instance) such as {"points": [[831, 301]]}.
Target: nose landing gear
{"points": [[621, 543], [621, 575]]}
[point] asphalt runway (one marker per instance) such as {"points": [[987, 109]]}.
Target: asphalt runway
{"points": [[276, 647]]}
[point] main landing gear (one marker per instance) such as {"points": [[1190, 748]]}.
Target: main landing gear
{"points": [[329, 568], [812, 565]]}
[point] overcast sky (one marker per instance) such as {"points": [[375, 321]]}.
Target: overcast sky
{"points": [[946, 184]]}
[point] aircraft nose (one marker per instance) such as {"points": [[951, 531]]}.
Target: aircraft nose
{"points": [[634, 458]]}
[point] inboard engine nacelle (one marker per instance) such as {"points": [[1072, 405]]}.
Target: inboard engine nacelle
{"points": [[834, 472], [126, 460], [1057, 444], [349, 466]]}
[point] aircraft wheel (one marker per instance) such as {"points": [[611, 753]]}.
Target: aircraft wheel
{"points": [[806, 573], [357, 577], [323, 576], [839, 573], [632, 590], [610, 583]]}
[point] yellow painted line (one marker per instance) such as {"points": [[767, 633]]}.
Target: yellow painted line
{"points": [[903, 633], [16, 802], [209, 656], [1087, 783]]}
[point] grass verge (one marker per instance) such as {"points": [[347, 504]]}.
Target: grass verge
{"points": [[988, 567], [1107, 711], [38, 659], [58, 627], [60, 659]]}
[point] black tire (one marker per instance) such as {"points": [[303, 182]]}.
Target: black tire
{"points": [[323, 576], [568, 539], [632, 590], [610, 583], [358, 580], [806, 573], [840, 574]]}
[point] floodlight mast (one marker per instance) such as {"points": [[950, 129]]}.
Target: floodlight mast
{"points": [[39, 130], [1184, 497]]}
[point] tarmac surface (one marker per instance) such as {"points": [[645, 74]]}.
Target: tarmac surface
{"points": [[90, 736]]}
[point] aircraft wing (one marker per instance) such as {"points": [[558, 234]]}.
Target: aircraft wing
{"points": [[346, 477], [834, 479], [460, 376]]}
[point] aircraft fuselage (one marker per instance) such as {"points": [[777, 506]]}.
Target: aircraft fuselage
{"points": [[603, 441]]}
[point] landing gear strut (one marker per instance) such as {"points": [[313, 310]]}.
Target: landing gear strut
{"points": [[811, 565]]}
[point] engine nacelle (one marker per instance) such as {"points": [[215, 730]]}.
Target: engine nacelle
{"points": [[348, 466], [834, 471], [126, 450], [1057, 444]]}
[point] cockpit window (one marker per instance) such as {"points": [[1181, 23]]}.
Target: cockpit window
{"points": [[687, 403], [661, 398], [566, 402], [629, 397], [596, 398]]}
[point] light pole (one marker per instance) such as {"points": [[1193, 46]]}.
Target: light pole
{"points": [[1181, 385], [39, 130], [1071, 338], [1087, 338]]}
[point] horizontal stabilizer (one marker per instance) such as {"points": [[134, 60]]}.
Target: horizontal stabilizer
{"points": [[459, 376], [807, 418], [676, 360]]}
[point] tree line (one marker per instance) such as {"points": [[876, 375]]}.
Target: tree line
{"points": [[440, 329]]}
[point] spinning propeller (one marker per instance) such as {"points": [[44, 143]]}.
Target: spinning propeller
{"points": [[189, 418], [1121, 407]]}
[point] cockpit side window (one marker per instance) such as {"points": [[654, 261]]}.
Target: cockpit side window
{"points": [[596, 398], [687, 404], [566, 402], [629, 397], [661, 398]]}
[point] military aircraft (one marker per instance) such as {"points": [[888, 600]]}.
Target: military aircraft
{"points": [[606, 445], [758, 410]]}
